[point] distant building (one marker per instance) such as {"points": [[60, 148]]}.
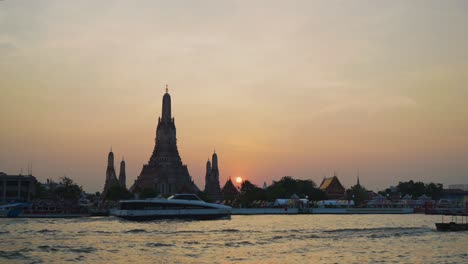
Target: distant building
{"points": [[165, 172], [212, 189], [454, 195], [463, 187], [333, 188], [229, 191], [17, 187]]}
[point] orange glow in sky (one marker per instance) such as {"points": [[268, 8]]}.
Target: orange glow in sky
{"points": [[279, 89]]}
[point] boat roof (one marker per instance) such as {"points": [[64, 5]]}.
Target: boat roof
{"points": [[14, 204], [184, 198]]}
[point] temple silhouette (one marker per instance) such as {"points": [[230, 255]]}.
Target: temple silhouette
{"points": [[212, 189], [165, 171], [111, 178]]}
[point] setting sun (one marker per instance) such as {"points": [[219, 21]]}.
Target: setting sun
{"points": [[239, 180]]}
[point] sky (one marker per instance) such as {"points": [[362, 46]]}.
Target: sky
{"points": [[299, 88]]}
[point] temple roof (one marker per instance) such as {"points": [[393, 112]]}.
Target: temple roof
{"points": [[229, 188], [327, 182]]}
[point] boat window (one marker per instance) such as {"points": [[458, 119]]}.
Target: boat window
{"points": [[192, 197]]}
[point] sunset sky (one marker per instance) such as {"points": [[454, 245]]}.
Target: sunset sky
{"points": [[299, 88]]}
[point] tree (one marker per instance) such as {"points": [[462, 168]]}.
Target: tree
{"points": [[41, 191], [118, 192], [287, 186], [358, 194], [434, 190], [415, 190], [68, 190], [283, 188], [317, 195], [249, 192]]}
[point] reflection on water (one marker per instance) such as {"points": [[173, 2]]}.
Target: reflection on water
{"points": [[243, 239]]}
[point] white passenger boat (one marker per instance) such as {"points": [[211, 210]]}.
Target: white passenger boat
{"points": [[179, 206]]}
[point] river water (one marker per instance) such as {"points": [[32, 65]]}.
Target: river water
{"points": [[242, 239]]}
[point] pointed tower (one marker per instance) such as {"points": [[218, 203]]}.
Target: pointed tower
{"points": [[212, 189], [358, 183], [165, 172], [111, 178], [122, 174], [166, 107], [208, 175], [208, 167], [214, 169], [110, 172]]}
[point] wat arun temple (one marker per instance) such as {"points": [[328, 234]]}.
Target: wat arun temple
{"points": [[165, 171]]}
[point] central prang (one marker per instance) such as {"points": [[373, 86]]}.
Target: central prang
{"points": [[165, 172]]}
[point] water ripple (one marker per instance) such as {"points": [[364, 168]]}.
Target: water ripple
{"points": [[249, 239], [158, 245], [136, 231]]}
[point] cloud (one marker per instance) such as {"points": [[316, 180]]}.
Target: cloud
{"points": [[347, 102], [7, 45]]}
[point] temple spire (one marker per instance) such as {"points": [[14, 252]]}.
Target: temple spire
{"points": [[358, 178], [122, 175], [214, 161], [208, 166], [166, 107], [110, 159], [111, 178]]}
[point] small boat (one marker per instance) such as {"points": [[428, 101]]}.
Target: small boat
{"points": [[453, 225], [179, 206], [12, 210]]}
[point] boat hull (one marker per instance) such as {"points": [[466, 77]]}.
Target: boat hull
{"points": [[11, 213], [168, 217], [451, 227], [149, 215]]}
